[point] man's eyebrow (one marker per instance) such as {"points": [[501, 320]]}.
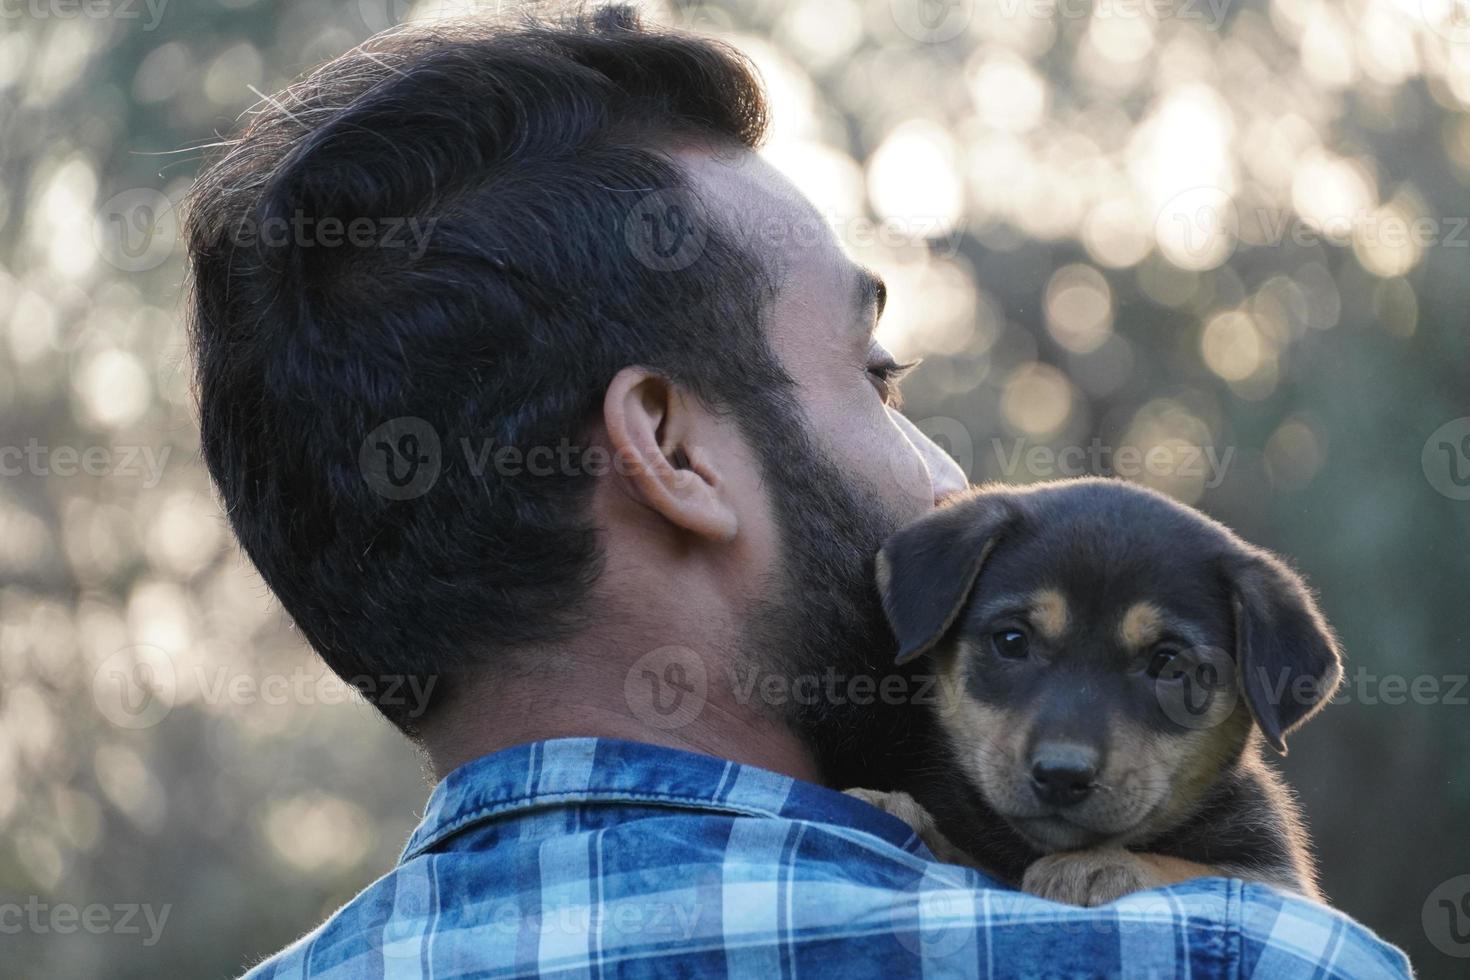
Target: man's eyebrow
{"points": [[872, 292]]}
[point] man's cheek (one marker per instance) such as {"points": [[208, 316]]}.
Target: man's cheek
{"points": [[866, 436]]}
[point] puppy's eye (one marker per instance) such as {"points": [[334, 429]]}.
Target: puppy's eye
{"points": [[1165, 663], [1010, 644]]}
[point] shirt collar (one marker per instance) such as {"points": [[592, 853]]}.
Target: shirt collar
{"points": [[568, 771]]}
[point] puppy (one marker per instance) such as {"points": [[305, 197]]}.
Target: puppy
{"points": [[1109, 664]]}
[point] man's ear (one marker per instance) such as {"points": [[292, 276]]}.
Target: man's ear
{"points": [[652, 425], [926, 570], [1286, 656]]}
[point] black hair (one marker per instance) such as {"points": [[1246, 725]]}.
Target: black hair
{"points": [[441, 241]]}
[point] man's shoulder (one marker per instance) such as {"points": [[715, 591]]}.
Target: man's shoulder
{"points": [[739, 895]]}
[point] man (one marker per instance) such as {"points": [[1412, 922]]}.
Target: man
{"points": [[580, 480]]}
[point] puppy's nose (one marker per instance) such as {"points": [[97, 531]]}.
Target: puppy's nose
{"points": [[1063, 775]]}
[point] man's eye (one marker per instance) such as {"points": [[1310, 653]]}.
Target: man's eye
{"points": [[886, 375]]}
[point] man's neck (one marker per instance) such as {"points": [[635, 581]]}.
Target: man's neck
{"points": [[598, 699]]}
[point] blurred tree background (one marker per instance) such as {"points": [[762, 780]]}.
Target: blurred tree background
{"points": [[1218, 246]]}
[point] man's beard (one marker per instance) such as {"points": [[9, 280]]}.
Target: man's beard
{"points": [[819, 622]]}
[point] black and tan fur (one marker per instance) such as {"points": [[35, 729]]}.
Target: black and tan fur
{"points": [[1118, 745]]}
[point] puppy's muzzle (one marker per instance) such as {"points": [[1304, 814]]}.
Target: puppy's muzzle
{"points": [[1063, 775]]}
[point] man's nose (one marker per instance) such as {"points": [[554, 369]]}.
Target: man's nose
{"points": [[945, 474], [1063, 775], [948, 478]]}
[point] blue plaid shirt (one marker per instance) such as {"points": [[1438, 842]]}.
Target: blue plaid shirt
{"points": [[591, 857]]}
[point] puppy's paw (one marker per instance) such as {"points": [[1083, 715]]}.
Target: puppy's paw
{"points": [[1090, 878], [906, 808], [901, 805]]}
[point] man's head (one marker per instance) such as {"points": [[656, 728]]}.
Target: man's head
{"points": [[506, 338]]}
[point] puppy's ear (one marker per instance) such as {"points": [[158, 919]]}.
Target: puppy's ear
{"points": [[1286, 655], [926, 570]]}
